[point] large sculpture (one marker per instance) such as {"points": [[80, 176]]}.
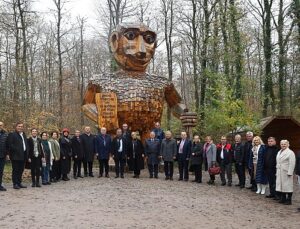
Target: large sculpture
{"points": [[131, 95]]}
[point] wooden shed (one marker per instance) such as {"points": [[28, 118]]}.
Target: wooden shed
{"points": [[280, 127]]}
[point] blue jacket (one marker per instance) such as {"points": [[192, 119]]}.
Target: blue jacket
{"points": [[103, 146], [159, 134], [152, 151]]}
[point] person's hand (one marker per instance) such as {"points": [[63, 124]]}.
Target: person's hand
{"points": [[160, 157], [128, 158], [75, 156], [143, 155], [187, 159], [29, 160], [7, 157], [64, 158], [174, 157], [193, 154]]}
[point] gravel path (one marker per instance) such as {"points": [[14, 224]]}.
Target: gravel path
{"points": [[142, 203]]}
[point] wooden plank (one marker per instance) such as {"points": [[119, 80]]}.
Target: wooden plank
{"points": [[107, 105]]}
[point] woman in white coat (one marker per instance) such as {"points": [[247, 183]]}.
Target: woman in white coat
{"points": [[286, 161]]}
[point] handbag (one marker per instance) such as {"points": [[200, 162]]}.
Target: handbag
{"points": [[214, 170]]}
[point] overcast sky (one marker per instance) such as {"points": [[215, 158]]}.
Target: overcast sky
{"points": [[82, 8]]}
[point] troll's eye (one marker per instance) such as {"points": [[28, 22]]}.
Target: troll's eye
{"points": [[149, 38], [130, 35]]}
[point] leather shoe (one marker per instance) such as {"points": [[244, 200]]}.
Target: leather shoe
{"points": [[16, 186], [2, 189], [38, 185], [270, 196], [22, 186]]}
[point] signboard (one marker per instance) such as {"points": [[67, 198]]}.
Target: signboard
{"points": [[107, 106]]}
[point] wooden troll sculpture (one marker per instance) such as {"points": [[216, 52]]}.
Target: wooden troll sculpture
{"points": [[131, 95]]}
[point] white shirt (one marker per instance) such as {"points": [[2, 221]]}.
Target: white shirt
{"points": [[24, 145], [222, 152], [121, 146]]}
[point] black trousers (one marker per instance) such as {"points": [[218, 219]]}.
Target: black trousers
{"points": [[55, 173], [252, 178], [153, 169], [88, 167], [77, 167], [226, 169], [119, 166], [136, 170], [169, 168], [2, 164], [65, 166], [271, 175], [183, 166], [240, 170], [17, 171], [103, 165], [35, 169], [198, 172]]}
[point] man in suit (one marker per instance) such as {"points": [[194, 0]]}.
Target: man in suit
{"points": [[247, 161], [77, 153], [270, 165], [152, 151], [183, 156], [88, 147], [17, 145], [224, 158], [209, 157], [3, 152], [239, 159], [103, 147], [119, 152]]}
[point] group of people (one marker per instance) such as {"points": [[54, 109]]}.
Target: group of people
{"points": [[50, 157]]}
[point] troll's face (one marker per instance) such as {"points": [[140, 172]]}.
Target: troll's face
{"points": [[133, 46]]}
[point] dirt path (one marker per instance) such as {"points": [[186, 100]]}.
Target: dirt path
{"points": [[143, 203]]}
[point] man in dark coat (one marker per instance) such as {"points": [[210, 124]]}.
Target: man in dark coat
{"points": [[88, 147], [224, 158], [239, 159], [65, 154], [248, 154], [159, 132], [17, 146], [270, 165], [183, 156], [103, 148], [152, 151], [135, 155], [168, 151], [77, 152], [197, 159], [3, 152], [126, 133], [35, 155], [119, 152]]}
